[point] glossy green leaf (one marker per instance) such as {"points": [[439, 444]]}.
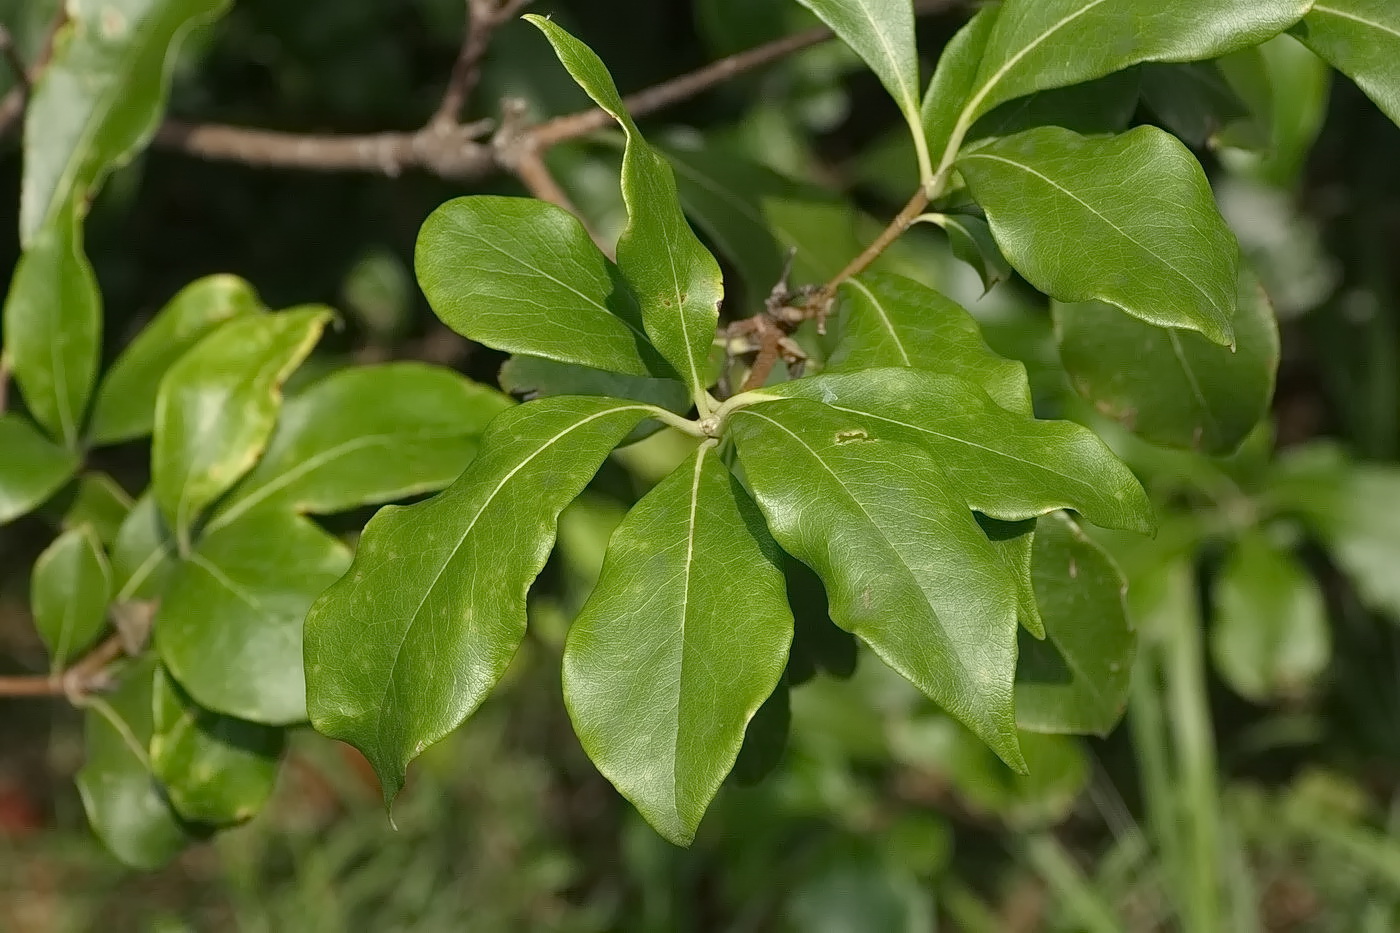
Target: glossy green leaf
{"points": [[522, 276], [1026, 46], [95, 500], [411, 640], [229, 626], [125, 405], [1100, 107], [1014, 543], [1270, 637], [1006, 465], [954, 82], [905, 566], [1174, 387], [888, 320], [125, 806], [53, 329], [675, 278], [970, 239], [364, 436], [663, 669], [142, 555], [1068, 212], [755, 216], [69, 590], [1194, 100], [218, 405], [1361, 39], [1076, 681], [882, 34], [99, 99], [532, 377], [32, 469], [216, 770]]}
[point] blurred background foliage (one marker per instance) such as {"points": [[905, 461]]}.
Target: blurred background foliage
{"points": [[1264, 728]]}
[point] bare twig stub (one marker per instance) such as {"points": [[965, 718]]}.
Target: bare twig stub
{"points": [[88, 675], [12, 105], [484, 17]]}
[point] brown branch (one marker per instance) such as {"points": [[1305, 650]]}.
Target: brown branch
{"points": [[430, 148], [452, 152], [11, 55], [87, 676], [484, 17], [13, 103], [901, 223]]}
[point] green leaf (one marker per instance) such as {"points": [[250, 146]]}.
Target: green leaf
{"points": [[970, 239], [229, 627], [888, 320], [1270, 637], [765, 739], [364, 436], [1100, 107], [675, 278], [1194, 100], [411, 640], [882, 33], [142, 555], [32, 469], [1006, 465], [905, 566], [756, 216], [126, 807], [533, 377], [954, 82], [1034, 45], [1287, 88], [53, 329], [1076, 681], [1014, 543], [1068, 213], [1361, 39], [218, 405], [523, 276], [69, 590], [1174, 387], [99, 99], [216, 770], [663, 669], [1345, 505], [97, 501], [126, 400], [817, 643]]}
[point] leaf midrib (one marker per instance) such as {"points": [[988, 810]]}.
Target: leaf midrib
{"points": [[461, 542], [880, 531], [1333, 11], [966, 442], [971, 109], [684, 617], [884, 319], [1097, 213]]}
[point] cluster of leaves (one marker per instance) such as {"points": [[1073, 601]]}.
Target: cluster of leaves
{"points": [[907, 475], [908, 481], [216, 563]]}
